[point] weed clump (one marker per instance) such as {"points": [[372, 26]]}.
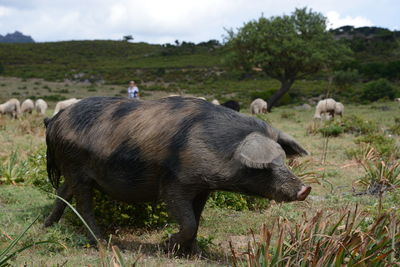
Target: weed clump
{"points": [[352, 240]]}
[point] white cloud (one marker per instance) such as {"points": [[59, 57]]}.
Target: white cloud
{"points": [[4, 11], [335, 20], [163, 21]]}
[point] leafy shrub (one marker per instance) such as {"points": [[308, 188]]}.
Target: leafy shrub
{"points": [[378, 89], [384, 146], [345, 78], [332, 130], [356, 125], [236, 201], [113, 212]]}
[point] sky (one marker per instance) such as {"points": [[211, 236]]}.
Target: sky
{"points": [[164, 21]]}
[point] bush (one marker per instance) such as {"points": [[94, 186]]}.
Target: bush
{"points": [[384, 146], [331, 130], [236, 201], [356, 125], [345, 78], [113, 212], [379, 89]]}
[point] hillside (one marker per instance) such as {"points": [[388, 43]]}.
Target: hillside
{"points": [[112, 61], [192, 68]]}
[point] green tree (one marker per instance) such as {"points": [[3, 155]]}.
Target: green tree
{"points": [[286, 48], [127, 38]]}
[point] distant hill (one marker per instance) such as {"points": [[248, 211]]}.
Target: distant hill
{"points": [[115, 62], [16, 37], [370, 43], [181, 65]]}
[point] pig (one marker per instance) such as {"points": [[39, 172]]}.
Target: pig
{"points": [[173, 149]]}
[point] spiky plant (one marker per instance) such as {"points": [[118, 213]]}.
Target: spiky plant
{"points": [[350, 240]]}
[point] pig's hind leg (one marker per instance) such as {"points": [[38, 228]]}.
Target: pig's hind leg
{"points": [[83, 193]]}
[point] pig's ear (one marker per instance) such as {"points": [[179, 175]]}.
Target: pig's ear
{"points": [[258, 151], [291, 147]]}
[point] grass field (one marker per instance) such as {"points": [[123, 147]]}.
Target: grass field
{"points": [[21, 202]]}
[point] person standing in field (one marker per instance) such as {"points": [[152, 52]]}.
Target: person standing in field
{"points": [[133, 90]]}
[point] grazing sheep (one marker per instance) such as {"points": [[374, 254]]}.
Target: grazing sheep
{"points": [[339, 109], [63, 104], [11, 107], [397, 99], [27, 106], [258, 106], [326, 106], [232, 104], [215, 102], [41, 106]]}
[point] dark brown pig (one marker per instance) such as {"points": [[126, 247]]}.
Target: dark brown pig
{"points": [[173, 149]]}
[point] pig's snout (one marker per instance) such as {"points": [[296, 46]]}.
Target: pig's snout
{"points": [[303, 193]]}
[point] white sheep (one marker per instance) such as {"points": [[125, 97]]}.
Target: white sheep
{"points": [[339, 109], [63, 104], [258, 106], [41, 106], [326, 106], [11, 107], [215, 102], [27, 106], [397, 99]]}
